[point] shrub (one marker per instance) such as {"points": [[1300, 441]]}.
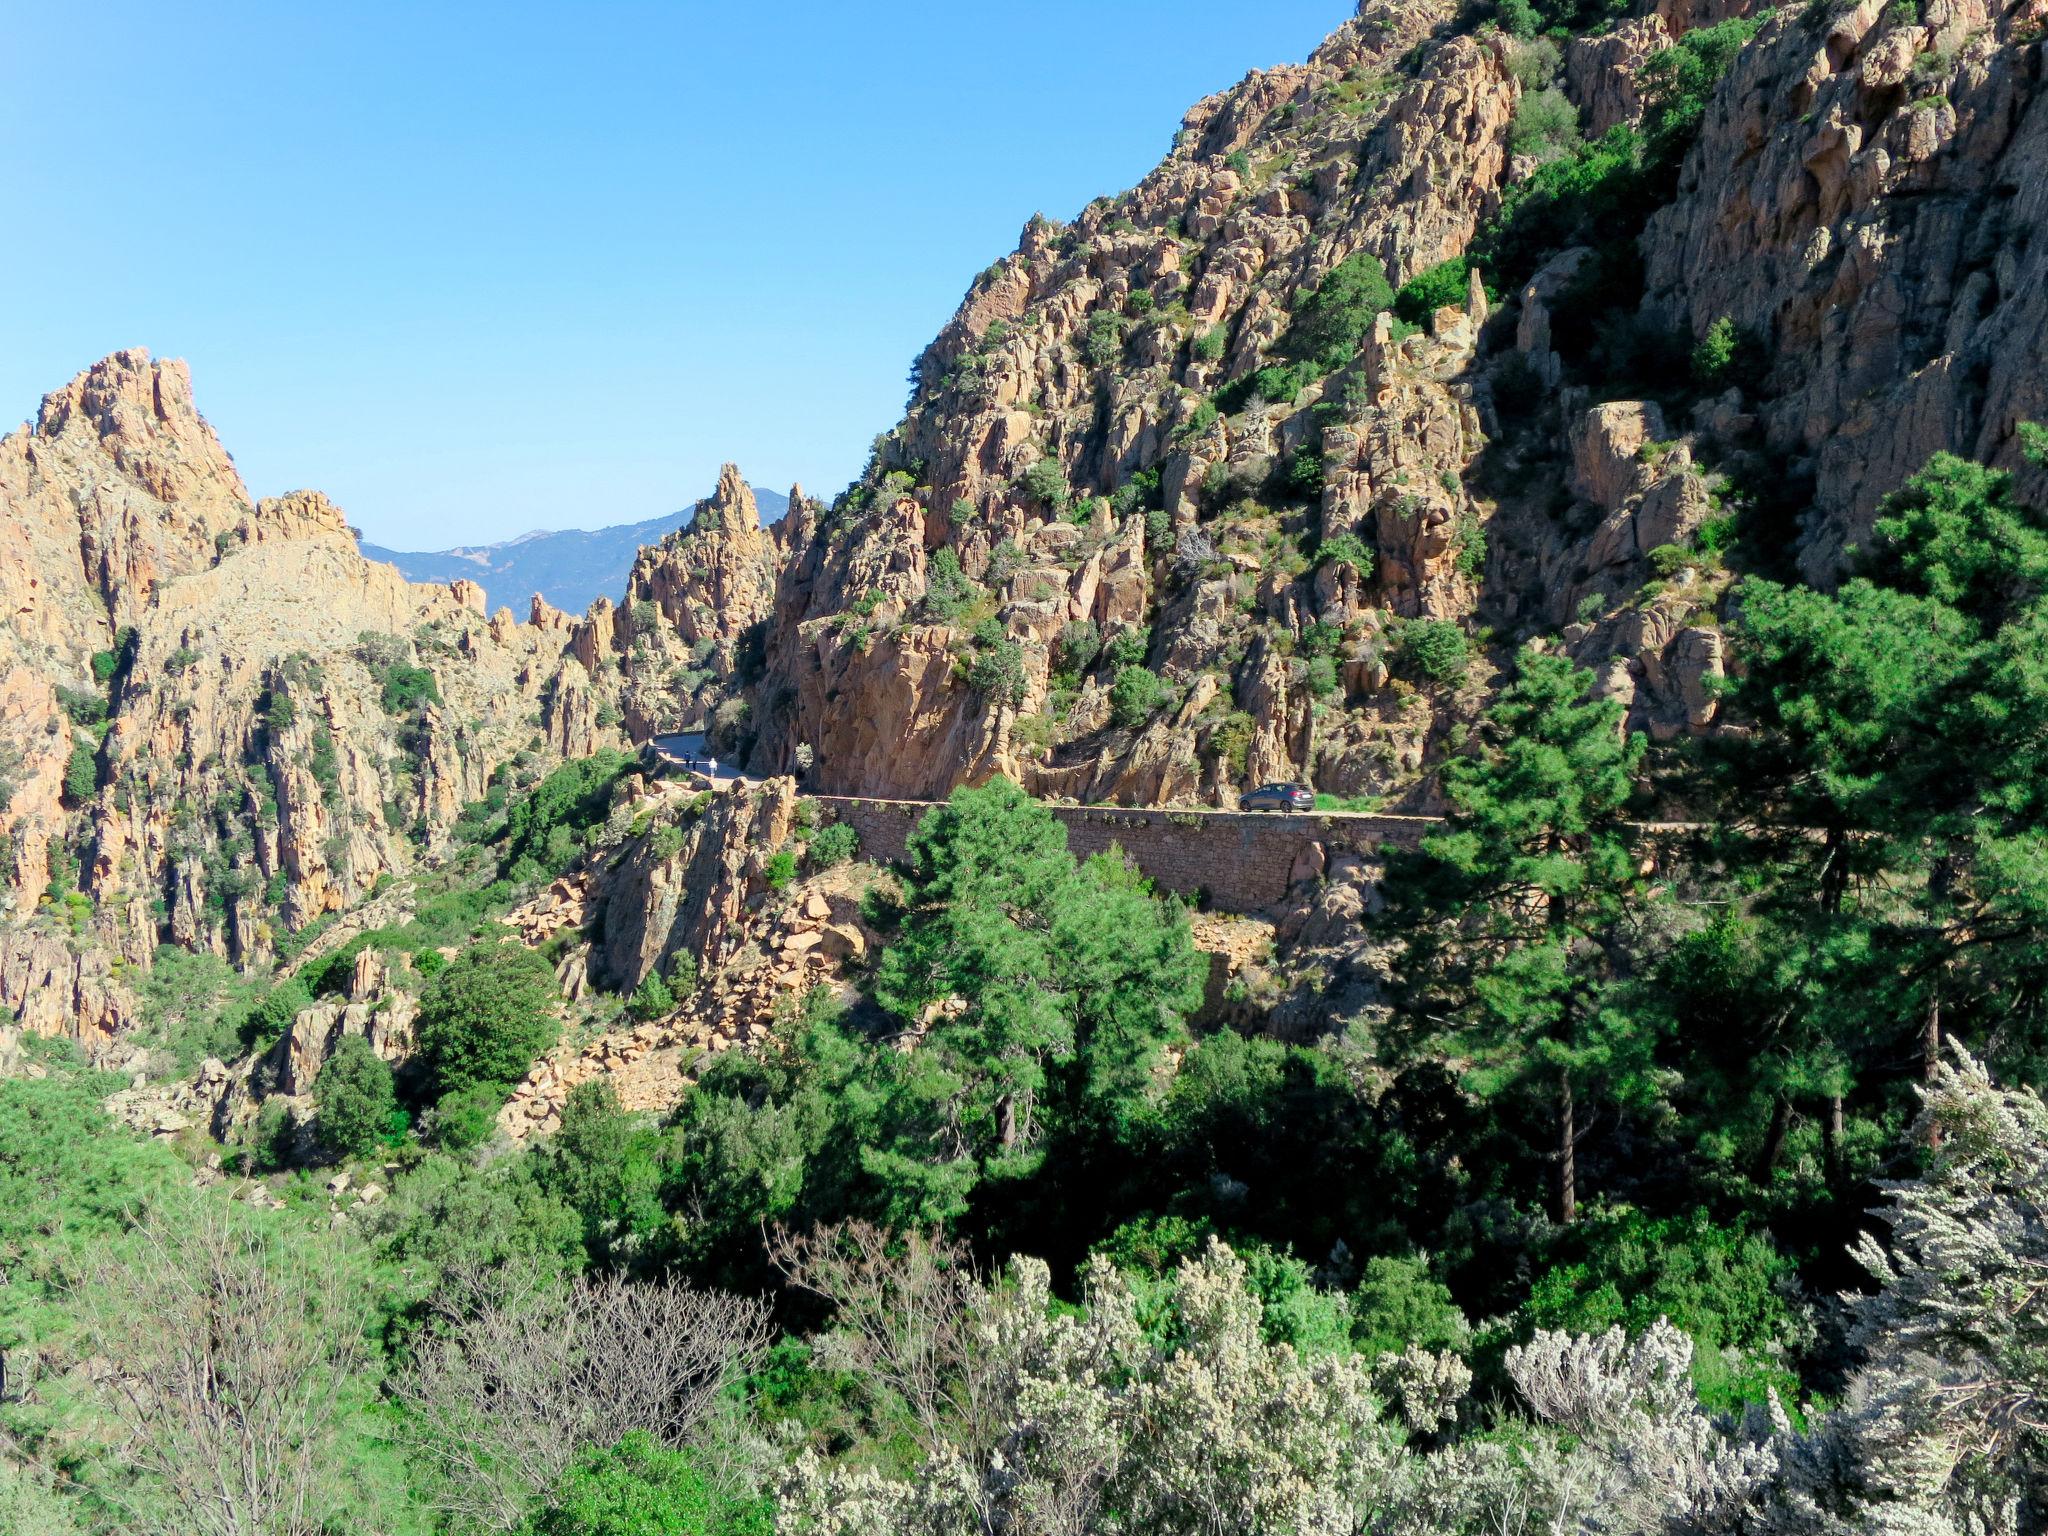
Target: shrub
{"points": [[1128, 647], [997, 672], [1518, 18], [1080, 642], [1546, 124], [1425, 293], [1004, 561], [1198, 425], [1210, 345], [1330, 323], [81, 773], [1103, 342], [1136, 693], [1728, 357], [183, 659], [1534, 63], [408, 687], [1304, 474], [832, 846], [1667, 560], [82, 705], [1322, 676], [947, 590], [1679, 80], [1138, 493], [1046, 483], [780, 869], [1350, 549], [1722, 1284], [640, 1487], [354, 1098], [1399, 1303], [465, 1119], [486, 1017], [1471, 557], [574, 798], [1437, 649], [652, 999]]}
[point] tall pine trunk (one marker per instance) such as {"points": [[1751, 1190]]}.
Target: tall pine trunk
{"points": [[1831, 1139], [1774, 1140], [1567, 1154], [1930, 1051]]}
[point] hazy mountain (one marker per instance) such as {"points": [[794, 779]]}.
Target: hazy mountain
{"points": [[569, 568]]}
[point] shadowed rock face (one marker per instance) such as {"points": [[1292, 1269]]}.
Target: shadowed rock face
{"points": [[1866, 198]]}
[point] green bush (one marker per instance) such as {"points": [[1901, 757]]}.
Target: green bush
{"points": [[780, 870], [1447, 282], [1723, 1284], [639, 1487], [81, 773], [354, 1098], [83, 705], [1103, 342], [1546, 124], [486, 1017], [1350, 549], [1322, 676], [1666, 560], [104, 666], [1210, 345], [1728, 357], [947, 591], [997, 671], [652, 999], [1080, 642], [466, 1118], [1436, 649], [572, 799], [1304, 475], [832, 846], [1134, 695], [406, 688], [1046, 483], [1398, 1303], [1330, 323], [1205, 416], [1128, 647]]}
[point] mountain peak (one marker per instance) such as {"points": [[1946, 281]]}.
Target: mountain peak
{"points": [[142, 414]]}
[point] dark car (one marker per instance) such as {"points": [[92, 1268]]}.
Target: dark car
{"points": [[1279, 797]]}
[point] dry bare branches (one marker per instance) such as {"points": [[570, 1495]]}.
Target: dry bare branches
{"points": [[522, 1374]]}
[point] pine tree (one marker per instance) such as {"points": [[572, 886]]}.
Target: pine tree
{"points": [[1512, 910]]}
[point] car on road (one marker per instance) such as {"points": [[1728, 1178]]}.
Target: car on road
{"points": [[1278, 797]]}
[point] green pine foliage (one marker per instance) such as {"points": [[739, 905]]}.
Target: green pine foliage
{"points": [[1512, 910]]}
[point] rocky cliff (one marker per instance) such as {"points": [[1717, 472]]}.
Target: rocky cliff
{"points": [[1194, 432], [221, 721]]}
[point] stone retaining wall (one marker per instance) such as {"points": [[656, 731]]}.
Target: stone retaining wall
{"points": [[1242, 862]]}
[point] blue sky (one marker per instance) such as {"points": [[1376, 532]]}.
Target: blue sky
{"points": [[476, 269]]}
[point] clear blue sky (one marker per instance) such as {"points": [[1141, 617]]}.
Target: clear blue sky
{"points": [[474, 269]]}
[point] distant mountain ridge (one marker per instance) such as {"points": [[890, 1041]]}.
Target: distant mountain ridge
{"points": [[569, 567]]}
